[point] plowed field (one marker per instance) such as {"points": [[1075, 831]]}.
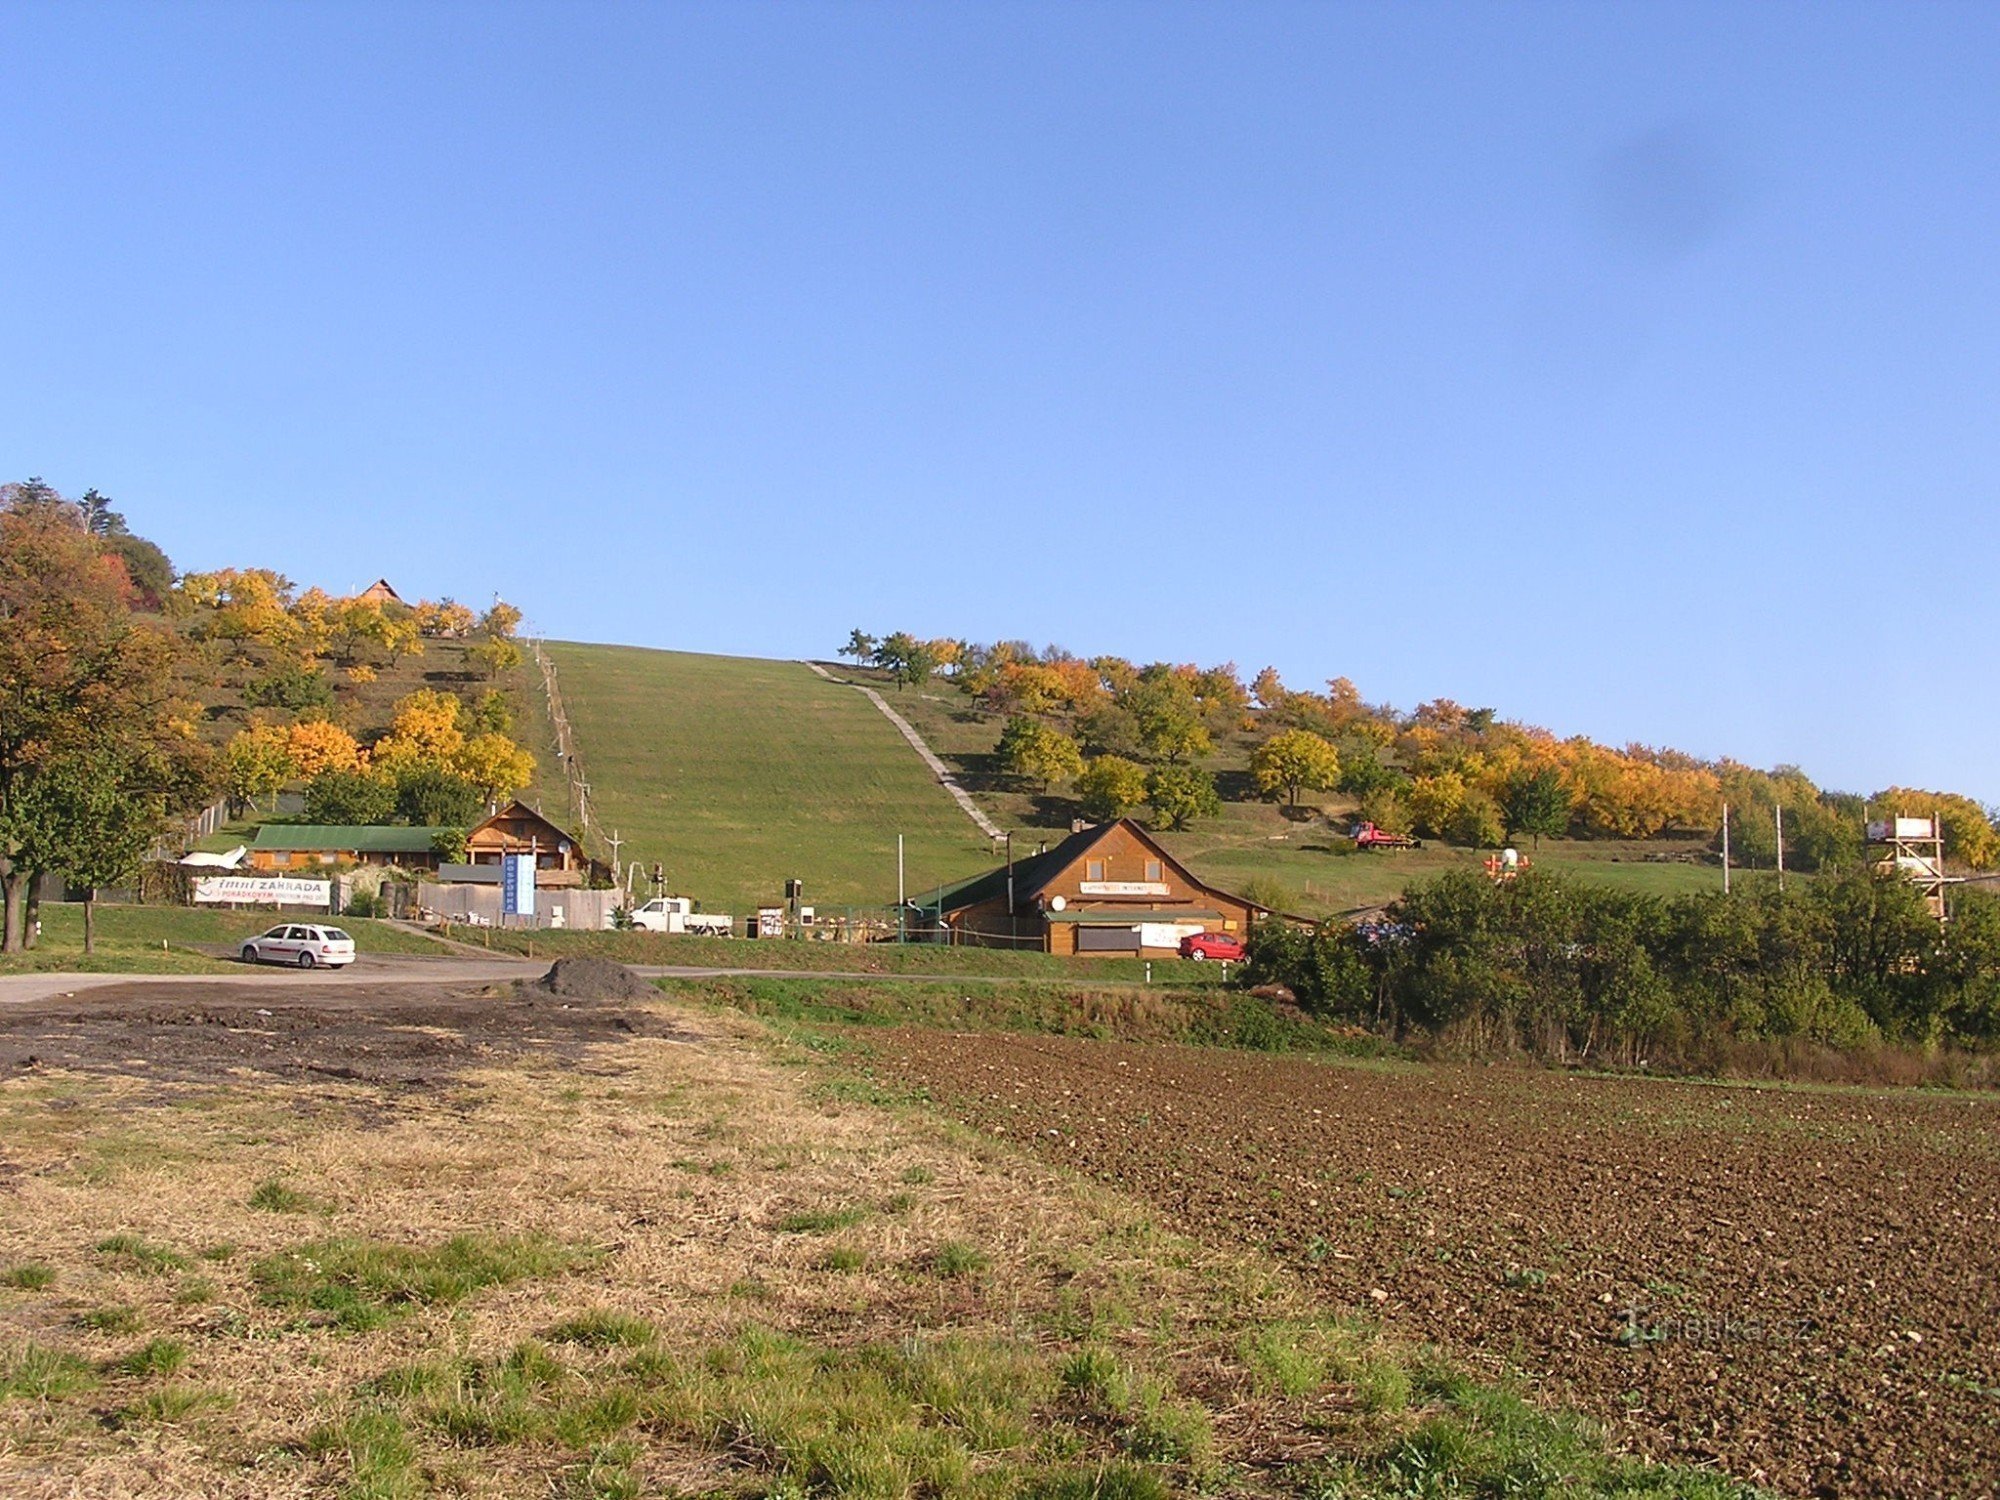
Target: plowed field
{"points": [[1800, 1286]]}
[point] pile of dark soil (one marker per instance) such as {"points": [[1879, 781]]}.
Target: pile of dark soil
{"points": [[590, 979]]}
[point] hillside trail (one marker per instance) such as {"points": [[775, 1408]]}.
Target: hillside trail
{"points": [[938, 768]]}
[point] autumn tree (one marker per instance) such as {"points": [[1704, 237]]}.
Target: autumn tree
{"points": [[495, 765], [1033, 751], [316, 745], [82, 681], [494, 655], [1110, 786], [426, 730], [257, 762], [1294, 761], [1180, 794], [500, 622]]}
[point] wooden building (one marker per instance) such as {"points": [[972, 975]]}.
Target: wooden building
{"points": [[379, 592], [1110, 889], [298, 847], [519, 829]]}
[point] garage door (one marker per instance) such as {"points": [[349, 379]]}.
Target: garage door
{"points": [[1107, 940]]}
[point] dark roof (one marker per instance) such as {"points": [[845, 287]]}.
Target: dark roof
{"points": [[337, 838], [1036, 871], [1030, 874]]}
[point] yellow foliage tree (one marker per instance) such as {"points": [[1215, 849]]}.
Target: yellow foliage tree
{"points": [[425, 732], [317, 746], [1436, 803], [496, 765], [257, 762]]}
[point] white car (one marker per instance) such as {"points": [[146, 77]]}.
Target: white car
{"points": [[307, 946]]}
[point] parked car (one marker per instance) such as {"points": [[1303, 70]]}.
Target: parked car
{"points": [[1200, 945], [305, 944]]}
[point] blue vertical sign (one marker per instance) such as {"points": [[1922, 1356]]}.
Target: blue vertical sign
{"points": [[517, 885]]}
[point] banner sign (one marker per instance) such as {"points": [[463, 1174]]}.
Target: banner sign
{"points": [[517, 885], [262, 890]]}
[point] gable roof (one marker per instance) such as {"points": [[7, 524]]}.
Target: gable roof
{"points": [[378, 590], [516, 810], [324, 838], [1033, 874]]}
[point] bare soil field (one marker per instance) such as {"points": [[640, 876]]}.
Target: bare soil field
{"points": [[1800, 1285], [392, 1240]]}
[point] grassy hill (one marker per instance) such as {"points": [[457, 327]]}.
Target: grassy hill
{"points": [[1306, 853], [737, 774]]}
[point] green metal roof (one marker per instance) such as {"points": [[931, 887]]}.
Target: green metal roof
{"points": [[321, 838]]}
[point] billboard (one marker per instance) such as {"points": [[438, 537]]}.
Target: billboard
{"points": [[517, 885], [262, 890]]}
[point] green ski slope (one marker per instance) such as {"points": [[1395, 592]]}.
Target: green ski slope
{"points": [[737, 773]]}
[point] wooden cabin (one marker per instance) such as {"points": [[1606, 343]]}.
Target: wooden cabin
{"points": [[379, 592], [1111, 890], [519, 829]]}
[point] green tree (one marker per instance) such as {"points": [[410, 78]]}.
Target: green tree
{"points": [[1535, 802], [107, 811], [894, 653], [860, 645], [1110, 786], [431, 797], [1169, 719], [491, 715], [1035, 752], [350, 799], [1294, 761], [1180, 794]]}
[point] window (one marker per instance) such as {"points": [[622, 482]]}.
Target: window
{"points": [[1093, 869], [1153, 872], [282, 858]]}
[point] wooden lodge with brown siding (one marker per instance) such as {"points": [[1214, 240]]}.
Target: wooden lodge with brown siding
{"points": [[518, 829], [1109, 890]]}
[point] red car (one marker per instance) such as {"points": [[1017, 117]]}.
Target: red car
{"points": [[1211, 945]]}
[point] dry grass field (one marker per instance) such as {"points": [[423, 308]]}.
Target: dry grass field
{"points": [[427, 1242]]}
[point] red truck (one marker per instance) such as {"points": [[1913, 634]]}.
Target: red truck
{"points": [[1368, 836]]}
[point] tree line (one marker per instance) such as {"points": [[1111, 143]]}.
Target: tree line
{"points": [[1580, 973], [114, 673], [1113, 734]]}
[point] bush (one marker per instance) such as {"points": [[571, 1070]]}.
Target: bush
{"points": [[1568, 971]]}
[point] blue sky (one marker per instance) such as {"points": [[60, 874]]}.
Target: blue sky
{"points": [[1633, 369]]}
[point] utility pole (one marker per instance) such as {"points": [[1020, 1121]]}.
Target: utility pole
{"points": [[1725, 848], [1781, 845], [1012, 931]]}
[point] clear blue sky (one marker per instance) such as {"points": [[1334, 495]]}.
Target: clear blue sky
{"points": [[1632, 368]]}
